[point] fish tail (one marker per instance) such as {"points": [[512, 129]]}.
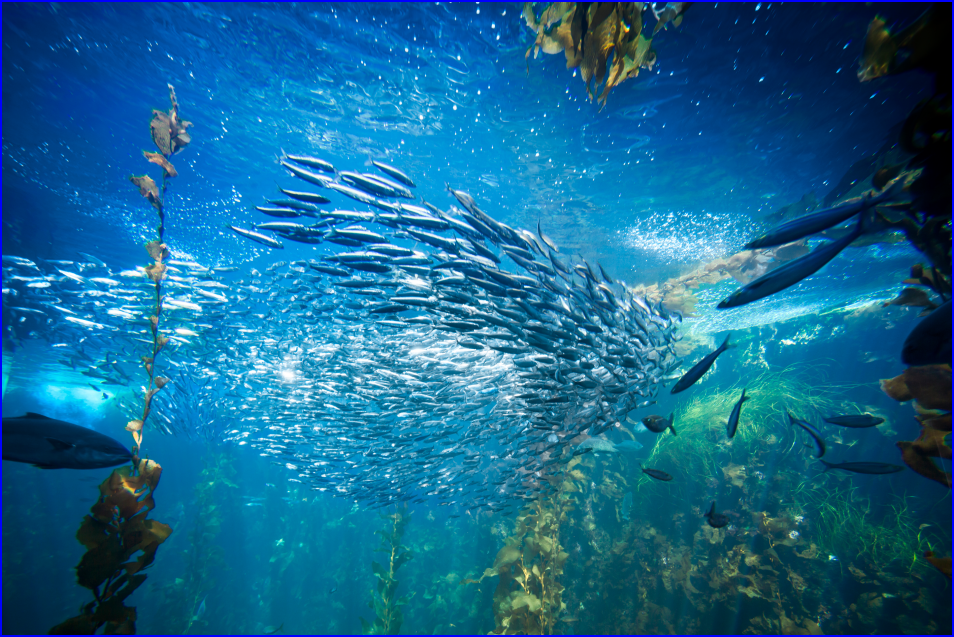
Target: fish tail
{"points": [[672, 423], [828, 465], [726, 344], [710, 511]]}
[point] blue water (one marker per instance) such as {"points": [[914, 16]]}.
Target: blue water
{"points": [[749, 107]]}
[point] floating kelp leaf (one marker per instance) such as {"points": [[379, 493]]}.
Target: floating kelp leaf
{"points": [[672, 12], [896, 388], [532, 602], [934, 442], [930, 385], [942, 564], [912, 297], [157, 250], [507, 555], [148, 189], [919, 45], [100, 562], [735, 474], [156, 272], [161, 160], [160, 126], [79, 625]]}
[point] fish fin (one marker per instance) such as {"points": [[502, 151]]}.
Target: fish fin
{"points": [[59, 445], [672, 429], [726, 344], [36, 416], [828, 465], [711, 510]]}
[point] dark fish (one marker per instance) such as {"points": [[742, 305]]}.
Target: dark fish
{"points": [[394, 172], [859, 421], [812, 431], [792, 272], [309, 197], [869, 468], [715, 520], [53, 444], [699, 369], [656, 473], [929, 343], [312, 162], [658, 424], [734, 417], [822, 220]]}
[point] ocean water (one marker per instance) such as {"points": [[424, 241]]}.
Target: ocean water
{"points": [[327, 472]]}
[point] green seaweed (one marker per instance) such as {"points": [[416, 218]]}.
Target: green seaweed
{"points": [[385, 602]]}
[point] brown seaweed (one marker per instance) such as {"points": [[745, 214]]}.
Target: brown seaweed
{"points": [[592, 34]]}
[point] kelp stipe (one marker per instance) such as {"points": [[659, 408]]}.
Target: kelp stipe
{"points": [[117, 527], [384, 601]]}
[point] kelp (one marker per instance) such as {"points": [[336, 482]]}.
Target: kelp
{"points": [[117, 527], [385, 602], [603, 39], [529, 594]]}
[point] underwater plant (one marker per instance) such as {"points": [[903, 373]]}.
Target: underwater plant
{"points": [[384, 601], [603, 39], [117, 528], [529, 594]]}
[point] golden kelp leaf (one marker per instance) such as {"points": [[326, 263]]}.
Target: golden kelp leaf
{"points": [[735, 474], [92, 532], [507, 555], [134, 425], [598, 42], [79, 625], [99, 563], [157, 250], [160, 126], [912, 297], [161, 382], [896, 388], [521, 599], [930, 385], [156, 272], [879, 51], [932, 443], [942, 564], [156, 158], [576, 474], [148, 189]]}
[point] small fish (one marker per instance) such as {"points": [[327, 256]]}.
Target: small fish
{"points": [[308, 197], [312, 162], [658, 424], [733, 424], [656, 473], [859, 421], [812, 431], [715, 520], [699, 369], [307, 175], [869, 468], [393, 172], [53, 444], [255, 236], [626, 506]]}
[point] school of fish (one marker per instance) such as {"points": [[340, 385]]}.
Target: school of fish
{"points": [[420, 355]]}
